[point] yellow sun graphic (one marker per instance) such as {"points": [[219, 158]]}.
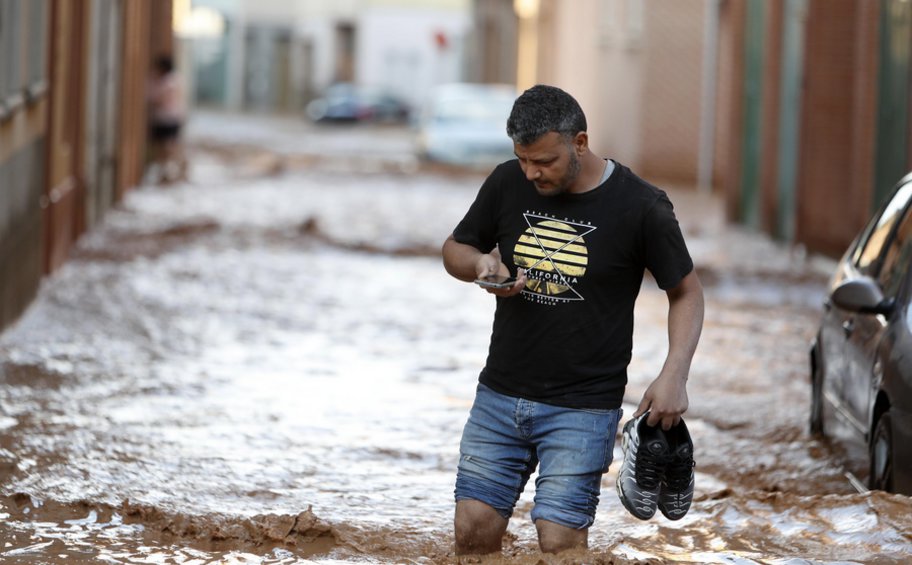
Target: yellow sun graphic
{"points": [[555, 249]]}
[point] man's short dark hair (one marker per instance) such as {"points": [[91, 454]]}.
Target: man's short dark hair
{"points": [[543, 109]]}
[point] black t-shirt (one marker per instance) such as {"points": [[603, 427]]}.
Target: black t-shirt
{"points": [[567, 338]]}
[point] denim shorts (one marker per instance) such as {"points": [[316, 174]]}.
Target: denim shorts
{"points": [[505, 439]]}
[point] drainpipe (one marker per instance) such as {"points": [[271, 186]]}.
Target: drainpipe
{"points": [[708, 98]]}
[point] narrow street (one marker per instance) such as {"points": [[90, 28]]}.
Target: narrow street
{"points": [[269, 365]]}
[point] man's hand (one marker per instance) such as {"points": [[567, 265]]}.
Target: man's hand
{"points": [[666, 400], [467, 264], [490, 264]]}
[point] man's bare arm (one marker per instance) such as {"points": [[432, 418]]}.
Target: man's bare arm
{"points": [[666, 397]]}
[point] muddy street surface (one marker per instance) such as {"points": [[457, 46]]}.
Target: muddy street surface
{"points": [[270, 365]]}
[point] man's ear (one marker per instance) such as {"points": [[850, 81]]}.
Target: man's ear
{"points": [[581, 142]]}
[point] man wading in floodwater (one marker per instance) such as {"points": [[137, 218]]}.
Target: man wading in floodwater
{"points": [[577, 231]]}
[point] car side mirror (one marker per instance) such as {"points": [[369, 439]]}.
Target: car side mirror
{"points": [[862, 295]]}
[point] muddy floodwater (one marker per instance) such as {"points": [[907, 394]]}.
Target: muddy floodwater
{"points": [[270, 365]]}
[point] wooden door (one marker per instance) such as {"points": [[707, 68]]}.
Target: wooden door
{"points": [[101, 133], [63, 195]]}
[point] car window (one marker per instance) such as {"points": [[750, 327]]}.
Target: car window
{"points": [[868, 252], [897, 258]]}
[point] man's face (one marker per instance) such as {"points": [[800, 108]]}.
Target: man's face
{"points": [[550, 163]]}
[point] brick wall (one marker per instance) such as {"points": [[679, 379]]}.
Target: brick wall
{"points": [[832, 193]]}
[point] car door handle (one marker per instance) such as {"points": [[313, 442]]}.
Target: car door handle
{"points": [[848, 327]]}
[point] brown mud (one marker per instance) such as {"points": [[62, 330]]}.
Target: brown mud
{"points": [[194, 389]]}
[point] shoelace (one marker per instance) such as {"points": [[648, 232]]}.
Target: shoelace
{"points": [[649, 468], [677, 474]]}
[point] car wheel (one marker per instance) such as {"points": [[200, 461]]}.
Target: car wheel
{"points": [[881, 477], [816, 415]]}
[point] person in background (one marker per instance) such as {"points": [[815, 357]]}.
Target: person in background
{"points": [[167, 114], [577, 232]]}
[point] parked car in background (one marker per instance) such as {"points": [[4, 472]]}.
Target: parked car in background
{"points": [[346, 102], [861, 358], [466, 124]]}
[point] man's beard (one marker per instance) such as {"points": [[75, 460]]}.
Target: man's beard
{"points": [[565, 182]]}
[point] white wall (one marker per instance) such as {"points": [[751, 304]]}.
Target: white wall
{"points": [[396, 49]]}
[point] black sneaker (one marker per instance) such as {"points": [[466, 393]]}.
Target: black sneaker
{"points": [[677, 489], [645, 456]]}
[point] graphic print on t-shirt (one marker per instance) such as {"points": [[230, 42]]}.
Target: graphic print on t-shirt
{"points": [[553, 252]]}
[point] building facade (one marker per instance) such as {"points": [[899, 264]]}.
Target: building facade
{"points": [[635, 67], [277, 55], [821, 127], [72, 125], [796, 111]]}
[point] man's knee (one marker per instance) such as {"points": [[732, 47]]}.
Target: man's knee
{"points": [[554, 538], [479, 528]]}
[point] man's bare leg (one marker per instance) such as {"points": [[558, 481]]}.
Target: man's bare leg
{"points": [[157, 159], [174, 161], [179, 156], [479, 528], [554, 538]]}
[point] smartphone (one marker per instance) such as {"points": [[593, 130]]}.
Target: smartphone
{"points": [[495, 281]]}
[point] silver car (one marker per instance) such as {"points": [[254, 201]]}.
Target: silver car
{"points": [[861, 358]]}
